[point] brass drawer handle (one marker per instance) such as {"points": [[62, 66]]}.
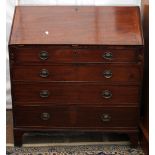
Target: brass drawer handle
{"points": [[105, 117], [107, 74], [106, 94], [44, 93], [107, 55], [45, 116], [43, 55], [44, 73]]}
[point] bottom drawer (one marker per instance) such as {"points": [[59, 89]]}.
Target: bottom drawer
{"points": [[75, 116]]}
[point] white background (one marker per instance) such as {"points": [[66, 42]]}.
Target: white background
{"points": [[9, 15]]}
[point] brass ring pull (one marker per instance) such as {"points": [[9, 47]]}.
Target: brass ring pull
{"points": [[106, 94], [45, 116], [107, 74], [43, 55], [44, 93], [105, 117], [44, 73], [107, 55]]}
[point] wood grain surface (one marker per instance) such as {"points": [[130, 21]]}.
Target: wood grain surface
{"points": [[75, 93], [76, 25]]}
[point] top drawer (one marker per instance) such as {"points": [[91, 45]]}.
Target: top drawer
{"points": [[51, 54]]}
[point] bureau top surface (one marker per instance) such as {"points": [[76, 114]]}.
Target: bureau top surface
{"points": [[82, 25]]}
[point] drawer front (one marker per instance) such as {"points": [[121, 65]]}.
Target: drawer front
{"points": [[74, 93], [42, 55], [107, 117], [125, 55], [49, 54], [107, 73], [42, 117], [92, 117]]}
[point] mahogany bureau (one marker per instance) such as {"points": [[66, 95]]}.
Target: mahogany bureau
{"points": [[76, 68]]}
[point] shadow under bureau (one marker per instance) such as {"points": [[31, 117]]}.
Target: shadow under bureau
{"points": [[76, 68]]}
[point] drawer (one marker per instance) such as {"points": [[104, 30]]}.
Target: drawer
{"points": [[41, 54], [80, 117], [43, 116], [51, 54], [107, 117], [113, 55], [74, 93], [88, 72]]}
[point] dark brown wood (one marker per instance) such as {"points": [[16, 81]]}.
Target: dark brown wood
{"points": [[30, 55], [75, 116], [144, 138], [79, 72], [134, 139], [74, 68], [144, 124], [75, 93], [76, 25], [18, 136]]}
